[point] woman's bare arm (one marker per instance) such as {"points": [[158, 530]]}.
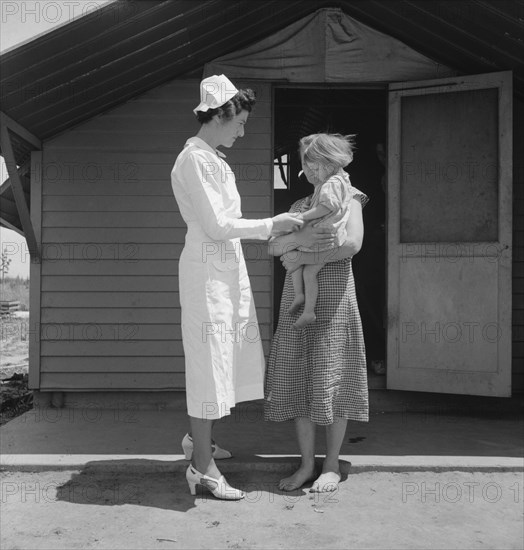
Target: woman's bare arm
{"points": [[309, 235], [353, 243]]}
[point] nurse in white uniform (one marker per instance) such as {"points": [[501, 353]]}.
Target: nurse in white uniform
{"points": [[223, 353]]}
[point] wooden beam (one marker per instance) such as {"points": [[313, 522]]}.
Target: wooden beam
{"points": [[18, 193], [8, 207], [6, 223], [35, 273], [24, 170], [19, 130], [4, 188]]}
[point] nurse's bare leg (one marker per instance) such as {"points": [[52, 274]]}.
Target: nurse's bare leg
{"points": [[202, 460], [213, 442], [311, 294], [298, 287], [305, 430]]}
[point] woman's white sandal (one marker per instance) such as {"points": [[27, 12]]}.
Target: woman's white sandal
{"points": [[218, 452], [326, 483], [219, 487]]}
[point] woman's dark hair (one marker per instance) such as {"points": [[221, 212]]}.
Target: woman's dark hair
{"points": [[244, 100]]}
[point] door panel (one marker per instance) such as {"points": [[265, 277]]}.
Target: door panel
{"points": [[455, 331], [449, 235], [449, 162]]}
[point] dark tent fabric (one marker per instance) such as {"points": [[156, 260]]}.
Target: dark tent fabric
{"points": [[328, 46]]}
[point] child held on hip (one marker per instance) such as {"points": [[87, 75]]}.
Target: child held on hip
{"points": [[323, 158]]}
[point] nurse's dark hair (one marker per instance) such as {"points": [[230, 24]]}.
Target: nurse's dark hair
{"points": [[244, 100]]}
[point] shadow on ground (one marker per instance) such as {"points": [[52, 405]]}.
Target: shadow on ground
{"points": [[153, 483]]}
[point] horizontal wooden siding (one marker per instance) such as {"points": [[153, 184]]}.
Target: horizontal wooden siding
{"points": [[112, 236]]}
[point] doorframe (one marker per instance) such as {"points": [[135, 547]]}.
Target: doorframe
{"points": [[378, 382]]}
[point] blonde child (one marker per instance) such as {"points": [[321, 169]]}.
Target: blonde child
{"points": [[323, 158]]}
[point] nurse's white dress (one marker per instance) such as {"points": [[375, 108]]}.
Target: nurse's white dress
{"points": [[222, 346]]}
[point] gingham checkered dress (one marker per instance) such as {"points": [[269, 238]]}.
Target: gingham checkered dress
{"points": [[319, 372]]}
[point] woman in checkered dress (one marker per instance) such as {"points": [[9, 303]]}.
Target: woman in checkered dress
{"points": [[317, 375]]}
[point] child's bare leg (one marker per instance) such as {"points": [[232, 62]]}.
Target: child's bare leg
{"points": [[298, 287], [311, 294]]}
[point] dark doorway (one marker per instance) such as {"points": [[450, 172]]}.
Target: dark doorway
{"points": [[302, 111]]}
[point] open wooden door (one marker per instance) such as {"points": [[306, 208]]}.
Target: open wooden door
{"points": [[449, 235]]}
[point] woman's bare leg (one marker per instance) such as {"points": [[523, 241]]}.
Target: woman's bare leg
{"points": [[203, 460], [305, 430], [328, 480], [334, 438]]}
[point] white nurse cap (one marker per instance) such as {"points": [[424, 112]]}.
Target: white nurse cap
{"points": [[214, 92]]}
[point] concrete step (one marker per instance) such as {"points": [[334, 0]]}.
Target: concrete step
{"points": [[133, 437]]}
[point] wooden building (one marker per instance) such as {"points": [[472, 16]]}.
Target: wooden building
{"points": [[95, 112]]}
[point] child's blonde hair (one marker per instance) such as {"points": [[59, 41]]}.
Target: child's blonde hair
{"points": [[334, 150]]}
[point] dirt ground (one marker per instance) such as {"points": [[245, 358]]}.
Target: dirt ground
{"points": [[412, 510], [14, 343], [14, 362]]}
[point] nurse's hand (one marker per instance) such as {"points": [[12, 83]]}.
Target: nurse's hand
{"points": [[312, 236], [285, 223]]}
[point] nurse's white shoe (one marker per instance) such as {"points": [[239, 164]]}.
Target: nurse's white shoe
{"points": [[219, 487], [218, 452]]}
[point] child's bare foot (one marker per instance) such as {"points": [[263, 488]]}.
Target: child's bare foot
{"points": [[304, 320], [296, 303]]}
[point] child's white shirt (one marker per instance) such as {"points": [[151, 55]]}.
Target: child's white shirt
{"points": [[336, 194]]}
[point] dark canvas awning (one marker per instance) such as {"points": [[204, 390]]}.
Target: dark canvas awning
{"points": [[328, 46]]}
